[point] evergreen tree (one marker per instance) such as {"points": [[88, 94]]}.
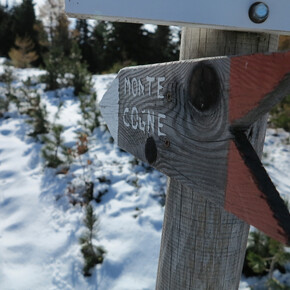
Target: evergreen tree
{"points": [[129, 42], [24, 23], [163, 48], [54, 151], [84, 40], [92, 254], [93, 45], [83, 34], [264, 255], [90, 112], [24, 20], [100, 60], [62, 36], [43, 43], [8, 95], [81, 78], [24, 54], [38, 114], [280, 115], [7, 78], [7, 38], [55, 65]]}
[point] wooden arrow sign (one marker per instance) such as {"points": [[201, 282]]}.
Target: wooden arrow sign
{"points": [[191, 119]]}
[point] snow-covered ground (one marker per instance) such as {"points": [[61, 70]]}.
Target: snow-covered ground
{"points": [[40, 227]]}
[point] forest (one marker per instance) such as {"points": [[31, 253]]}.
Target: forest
{"points": [[105, 47]]}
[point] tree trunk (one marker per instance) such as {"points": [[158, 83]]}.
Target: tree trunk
{"points": [[203, 246]]}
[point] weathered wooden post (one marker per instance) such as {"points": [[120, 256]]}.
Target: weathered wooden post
{"points": [[203, 246], [202, 122]]}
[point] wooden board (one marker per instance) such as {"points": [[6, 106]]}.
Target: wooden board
{"points": [[223, 14], [184, 117]]}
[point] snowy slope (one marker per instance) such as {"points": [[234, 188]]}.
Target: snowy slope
{"points": [[40, 227]]}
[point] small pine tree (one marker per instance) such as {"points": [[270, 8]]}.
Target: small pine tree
{"points": [[7, 78], [38, 114], [163, 47], [92, 254], [55, 65], [81, 78], [90, 112], [264, 255], [62, 36], [6, 36], [4, 105], [54, 151], [8, 96], [23, 55], [274, 284], [278, 255], [280, 115]]}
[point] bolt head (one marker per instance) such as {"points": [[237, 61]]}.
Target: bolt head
{"points": [[259, 12]]}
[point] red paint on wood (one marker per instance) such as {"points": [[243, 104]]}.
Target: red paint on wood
{"points": [[246, 201], [252, 77]]}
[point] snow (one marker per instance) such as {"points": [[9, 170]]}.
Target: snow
{"points": [[40, 227]]}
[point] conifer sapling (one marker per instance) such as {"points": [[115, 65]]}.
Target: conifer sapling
{"points": [[8, 94], [92, 254], [54, 151], [90, 112], [23, 54], [264, 255], [38, 114]]}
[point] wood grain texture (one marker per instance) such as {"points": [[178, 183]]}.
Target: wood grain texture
{"points": [[186, 110], [203, 246], [194, 135]]}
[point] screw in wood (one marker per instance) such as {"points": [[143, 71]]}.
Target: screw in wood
{"points": [[167, 142], [168, 97]]}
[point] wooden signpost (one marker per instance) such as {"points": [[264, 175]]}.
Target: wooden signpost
{"points": [[202, 122], [191, 120], [223, 14]]}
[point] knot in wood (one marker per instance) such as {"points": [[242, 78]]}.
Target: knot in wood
{"points": [[150, 150], [204, 87]]}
